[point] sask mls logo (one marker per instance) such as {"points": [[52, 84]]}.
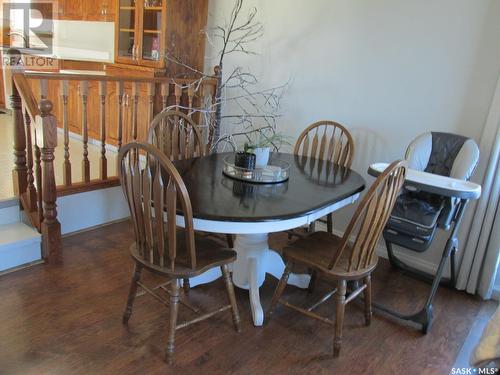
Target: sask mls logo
{"points": [[29, 26]]}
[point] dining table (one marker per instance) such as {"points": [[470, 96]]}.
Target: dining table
{"points": [[251, 211]]}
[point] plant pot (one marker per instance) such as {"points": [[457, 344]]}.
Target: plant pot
{"points": [[261, 156], [244, 160]]}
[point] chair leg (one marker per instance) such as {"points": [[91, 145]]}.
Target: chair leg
{"points": [[230, 241], [185, 285], [313, 281], [132, 292], [368, 300], [232, 298], [339, 317], [174, 307], [329, 223], [312, 227], [280, 288]]}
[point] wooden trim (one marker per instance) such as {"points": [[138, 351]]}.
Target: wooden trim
{"points": [[82, 187], [82, 65]]}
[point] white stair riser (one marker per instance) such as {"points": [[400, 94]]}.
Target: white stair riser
{"points": [[15, 255], [9, 215]]}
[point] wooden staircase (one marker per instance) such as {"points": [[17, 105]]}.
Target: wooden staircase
{"points": [[20, 243]]}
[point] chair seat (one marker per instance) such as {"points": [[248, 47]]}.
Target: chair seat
{"points": [[209, 254], [317, 250]]}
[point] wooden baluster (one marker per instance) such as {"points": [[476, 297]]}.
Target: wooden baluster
{"points": [[20, 171], [84, 90], [119, 94], [103, 165], [164, 95], [190, 99], [151, 94], [125, 120], [46, 128], [189, 135], [44, 88], [135, 103], [177, 94], [67, 163], [31, 190], [38, 177], [177, 145]]}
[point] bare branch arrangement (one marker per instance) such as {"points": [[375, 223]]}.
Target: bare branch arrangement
{"points": [[251, 113]]}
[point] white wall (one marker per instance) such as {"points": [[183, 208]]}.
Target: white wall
{"points": [[387, 69]]}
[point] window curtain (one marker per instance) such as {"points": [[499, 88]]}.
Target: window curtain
{"points": [[480, 262]]}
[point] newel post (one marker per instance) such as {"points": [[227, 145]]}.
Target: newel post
{"points": [[46, 130], [20, 171]]}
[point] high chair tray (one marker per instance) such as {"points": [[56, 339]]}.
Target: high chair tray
{"points": [[433, 183]]}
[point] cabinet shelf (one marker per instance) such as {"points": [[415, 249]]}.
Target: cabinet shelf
{"points": [[127, 30], [153, 8], [127, 8], [152, 31]]}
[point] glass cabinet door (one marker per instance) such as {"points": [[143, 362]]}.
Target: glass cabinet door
{"points": [[151, 32], [128, 46]]}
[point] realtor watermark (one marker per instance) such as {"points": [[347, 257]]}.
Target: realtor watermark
{"points": [[30, 30], [475, 371]]}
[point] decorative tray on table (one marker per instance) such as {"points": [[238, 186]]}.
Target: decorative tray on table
{"points": [[274, 172]]}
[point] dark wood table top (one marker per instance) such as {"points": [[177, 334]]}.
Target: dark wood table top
{"points": [[313, 185]]}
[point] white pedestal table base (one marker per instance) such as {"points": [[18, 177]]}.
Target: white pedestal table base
{"points": [[255, 259]]}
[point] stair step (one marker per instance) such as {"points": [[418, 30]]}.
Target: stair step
{"points": [[19, 244]]}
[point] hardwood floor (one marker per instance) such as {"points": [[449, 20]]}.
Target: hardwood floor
{"points": [[67, 320]]}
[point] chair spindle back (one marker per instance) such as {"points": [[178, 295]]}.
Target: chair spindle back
{"points": [[153, 188], [370, 218], [176, 135], [328, 141]]}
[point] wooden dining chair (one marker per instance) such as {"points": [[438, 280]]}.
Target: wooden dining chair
{"points": [[340, 260], [176, 135], [328, 141], [155, 194]]}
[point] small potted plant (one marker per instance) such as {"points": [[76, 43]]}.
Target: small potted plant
{"points": [[245, 159], [261, 146]]}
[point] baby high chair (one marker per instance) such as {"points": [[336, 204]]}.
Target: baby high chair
{"points": [[435, 194]]}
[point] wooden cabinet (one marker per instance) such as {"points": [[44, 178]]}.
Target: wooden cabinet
{"points": [[88, 10], [149, 30], [99, 10], [70, 10]]}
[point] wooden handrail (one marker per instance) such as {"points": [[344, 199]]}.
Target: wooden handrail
{"points": [[211, 81], [27, 97]]}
